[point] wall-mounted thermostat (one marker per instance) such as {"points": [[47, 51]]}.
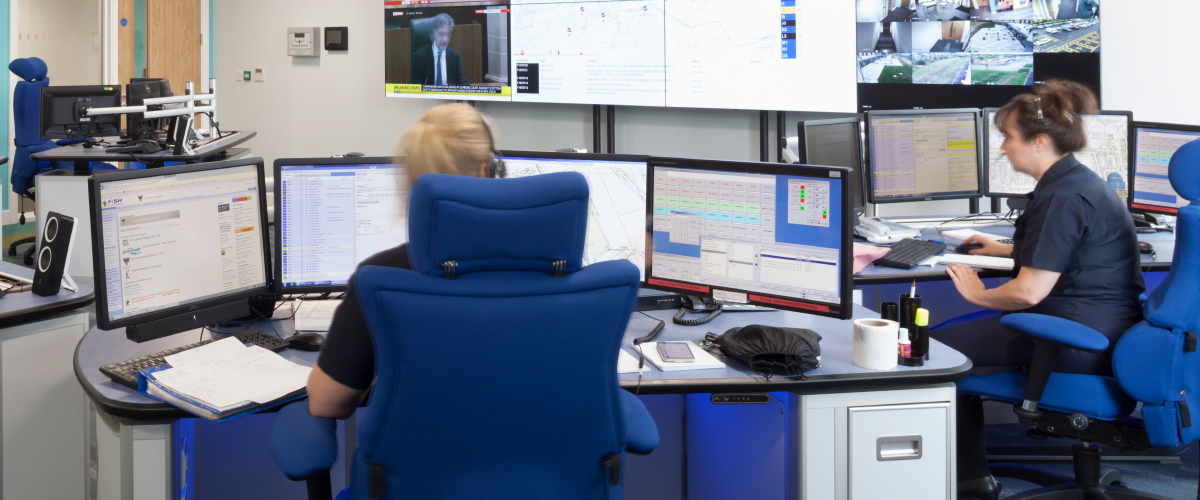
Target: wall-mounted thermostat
{"points": [[304, 41]]}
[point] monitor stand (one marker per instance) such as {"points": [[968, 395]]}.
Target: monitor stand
{"points": [[1145, 220], [191, 320]]}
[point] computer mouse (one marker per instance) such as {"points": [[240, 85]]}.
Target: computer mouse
{"points": [[967, 247], [1145, 247], [306, 341]]}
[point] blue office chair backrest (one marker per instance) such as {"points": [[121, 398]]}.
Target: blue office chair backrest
{"points": [[27, 99], [27, 121], [1156, 361], [500, 383]]}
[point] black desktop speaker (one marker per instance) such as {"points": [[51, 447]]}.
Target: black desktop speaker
{"points": [[58, 234]]}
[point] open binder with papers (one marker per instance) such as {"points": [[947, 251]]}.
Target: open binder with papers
{"points": [[225, 380]]}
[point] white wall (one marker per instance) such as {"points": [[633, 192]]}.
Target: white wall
{"points": [[64, 33], [1141, 63]]}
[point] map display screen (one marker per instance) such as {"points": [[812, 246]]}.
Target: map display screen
{"points": [[616, 225], [1107, 154]]}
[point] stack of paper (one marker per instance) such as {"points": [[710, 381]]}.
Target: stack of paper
{"points": [[963, 234], [316, 315], [224, 378]]}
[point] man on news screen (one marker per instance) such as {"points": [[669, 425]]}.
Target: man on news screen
{"points": [[437, 63]]}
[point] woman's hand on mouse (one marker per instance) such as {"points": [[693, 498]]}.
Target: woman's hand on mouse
{"points": [[990, 247]]}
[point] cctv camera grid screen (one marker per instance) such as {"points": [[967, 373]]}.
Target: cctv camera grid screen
{"points": [[439, 50], [971, 53]]}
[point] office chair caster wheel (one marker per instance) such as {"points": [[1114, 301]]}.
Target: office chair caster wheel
{"points": [[12, 252]]}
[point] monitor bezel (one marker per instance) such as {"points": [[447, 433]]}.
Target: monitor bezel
{"points": [[277, 191], [869, 169], [802, 150], [844, 310], [103, 123], [1143, 209], [96, 210]]}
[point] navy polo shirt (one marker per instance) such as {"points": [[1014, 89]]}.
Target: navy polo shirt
{"points": [[1077, 226]]}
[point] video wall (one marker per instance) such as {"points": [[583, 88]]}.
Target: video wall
{"points": [[971, 53], [787, 55], [749, 54]]}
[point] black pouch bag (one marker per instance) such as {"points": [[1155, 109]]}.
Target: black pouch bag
{"points": [[772, 351]]}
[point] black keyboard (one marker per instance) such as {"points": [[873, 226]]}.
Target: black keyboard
{"points": [[907, 253], [125, 372], [1006, 241]]}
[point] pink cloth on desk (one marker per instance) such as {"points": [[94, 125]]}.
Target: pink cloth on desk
{"points": [[866, 254]]}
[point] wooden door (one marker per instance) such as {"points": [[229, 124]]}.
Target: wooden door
{"points": [[173, 43]]}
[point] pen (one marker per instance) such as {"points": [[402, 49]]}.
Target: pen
{"points": [[912, 292]]}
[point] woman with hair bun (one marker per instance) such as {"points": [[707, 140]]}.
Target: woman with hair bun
{"points": [[1075, 250], [451, 139]]}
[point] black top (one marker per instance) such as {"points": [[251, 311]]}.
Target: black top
{"points": [[1077, 226], [348, 355]]}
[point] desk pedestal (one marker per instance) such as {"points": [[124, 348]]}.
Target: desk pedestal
{"points": [[43, 409], [896, 444]]}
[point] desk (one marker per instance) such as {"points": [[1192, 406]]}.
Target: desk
{"points": [[81, 156], [837, 409], [833, 398], [1164, 246], [43, 446]]}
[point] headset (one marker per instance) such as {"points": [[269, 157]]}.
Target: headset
{"points": [[498, 170]]}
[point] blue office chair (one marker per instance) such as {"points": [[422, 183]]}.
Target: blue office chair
{"points": [[1154, 362], [495, 356], [27, 133]]}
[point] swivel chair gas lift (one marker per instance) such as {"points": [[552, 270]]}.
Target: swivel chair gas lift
{"points": [[1154, 362], [495, 356]]}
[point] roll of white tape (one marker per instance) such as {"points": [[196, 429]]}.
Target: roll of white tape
{"points": [[875, 344]]}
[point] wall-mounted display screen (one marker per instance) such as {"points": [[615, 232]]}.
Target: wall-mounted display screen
{"points": [[446, 49], [971, 53], [751, 54]]}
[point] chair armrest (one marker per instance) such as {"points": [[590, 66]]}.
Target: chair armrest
{"points": [[641, 435], [1064, 332], [302, 445], [1049, 334]]}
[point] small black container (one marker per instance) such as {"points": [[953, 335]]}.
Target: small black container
{"points": [[889, 311]]}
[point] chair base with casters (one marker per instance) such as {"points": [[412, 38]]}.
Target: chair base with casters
{"points": [[1092, 409]]}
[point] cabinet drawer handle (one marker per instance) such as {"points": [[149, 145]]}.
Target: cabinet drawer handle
{"points": [[898, 448]]}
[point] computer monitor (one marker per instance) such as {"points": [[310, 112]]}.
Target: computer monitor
{"points": [[136, 93], [331, 214], [1109, 136], [63, 111], [836, 143], [1150, 188], [923, 155], [178, 248], [617, 211], [758, 233]]}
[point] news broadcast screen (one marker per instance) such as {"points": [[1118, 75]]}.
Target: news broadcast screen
{"points": [[447, 49], [971, 53]]}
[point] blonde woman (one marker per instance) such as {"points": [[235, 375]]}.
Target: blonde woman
{"points": [[452, 139]]}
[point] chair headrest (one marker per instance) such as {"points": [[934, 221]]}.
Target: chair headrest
{"points": [[522, 224], [30, 69], [1184, 171]]}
